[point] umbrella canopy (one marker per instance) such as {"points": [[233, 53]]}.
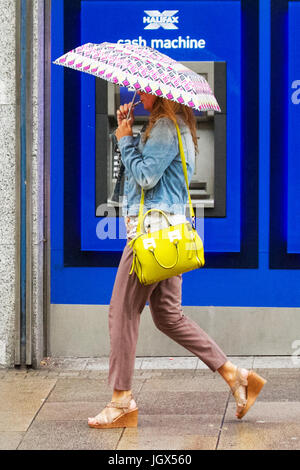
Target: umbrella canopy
{"points": [[141, 68]]}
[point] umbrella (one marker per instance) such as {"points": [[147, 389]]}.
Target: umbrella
{"points": [[141, 68]]}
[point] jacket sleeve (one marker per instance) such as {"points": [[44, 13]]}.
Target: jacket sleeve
{"points": [[159, 151]]}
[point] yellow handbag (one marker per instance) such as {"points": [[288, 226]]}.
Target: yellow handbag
{"points": [[170, 251]]}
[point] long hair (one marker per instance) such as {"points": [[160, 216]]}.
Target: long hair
{"points": [[167, 108]]}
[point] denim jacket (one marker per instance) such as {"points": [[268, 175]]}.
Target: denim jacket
{"points": [[156, 166]]}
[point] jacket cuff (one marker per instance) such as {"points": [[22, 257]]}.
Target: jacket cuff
{"points": [[124, 141]]}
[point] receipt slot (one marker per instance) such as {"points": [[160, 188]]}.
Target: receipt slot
{"points": [[208, 183]]}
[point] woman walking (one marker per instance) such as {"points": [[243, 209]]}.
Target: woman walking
{"points": [[153, 161]]}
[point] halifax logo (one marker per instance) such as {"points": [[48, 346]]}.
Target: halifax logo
{"points": [[166, 19]]}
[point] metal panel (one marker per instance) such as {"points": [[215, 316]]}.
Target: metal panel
{"points": [[17, 358], [29, 80], [24, 75], [47, 155]]}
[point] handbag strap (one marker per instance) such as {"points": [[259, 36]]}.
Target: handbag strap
{"points": [[192, 215]]}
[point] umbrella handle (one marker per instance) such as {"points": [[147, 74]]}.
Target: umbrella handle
{"points": [[131, 105]]}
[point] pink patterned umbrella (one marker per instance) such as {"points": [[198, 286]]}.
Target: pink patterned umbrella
{"points": [[141, 68]]}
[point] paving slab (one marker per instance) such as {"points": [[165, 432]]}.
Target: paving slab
{"points": [[70, 411], [82, 389], [176, 432], [277, 362], [267, 426], [68, 435], [239, 361], [201, 365], [279, 373], [170, 363], [178, 409], [242, 361], [182, 403], [10, 440], [187, 384], [16, 372], [102, 363], [20, 401], [98, 363], [95, 374], [65, 363], [279, 387]]}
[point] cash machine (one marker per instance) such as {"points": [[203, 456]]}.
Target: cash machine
{"points": [[208, 183]]}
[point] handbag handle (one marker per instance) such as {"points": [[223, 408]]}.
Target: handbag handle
{"points": [[155, 210], [162, 265], [192, 215]]}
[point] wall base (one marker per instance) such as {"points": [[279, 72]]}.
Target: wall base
{"points": [[82, 331]]}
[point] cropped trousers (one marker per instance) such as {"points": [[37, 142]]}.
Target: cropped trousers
{"points": [[128, 300]]}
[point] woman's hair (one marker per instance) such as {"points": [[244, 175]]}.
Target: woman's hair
{"points": [[167, 108]]}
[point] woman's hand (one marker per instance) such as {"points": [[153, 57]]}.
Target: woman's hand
{"points": [[122, 113], [123, 129]]}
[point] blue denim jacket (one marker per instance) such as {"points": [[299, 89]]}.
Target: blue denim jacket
{"points": [[156, 166]]}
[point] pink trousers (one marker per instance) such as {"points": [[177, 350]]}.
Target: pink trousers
{"points": [[128, 300]]}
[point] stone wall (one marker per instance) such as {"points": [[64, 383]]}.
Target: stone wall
{"points": [[8, 180]]}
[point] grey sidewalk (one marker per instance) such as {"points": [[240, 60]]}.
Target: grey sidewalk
{"points": [[182, 405]]}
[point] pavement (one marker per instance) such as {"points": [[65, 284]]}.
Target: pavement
{"points": [[182, 406]]}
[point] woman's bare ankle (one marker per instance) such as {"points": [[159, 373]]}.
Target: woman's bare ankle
{"points": [[228, 371], [118, 394]]}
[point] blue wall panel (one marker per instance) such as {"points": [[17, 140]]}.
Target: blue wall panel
{"points": [[284, 146], [293, 186], [221, 287]]}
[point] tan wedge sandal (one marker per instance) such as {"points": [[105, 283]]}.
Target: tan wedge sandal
{"points": [[253, 383], [128, 419]]}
